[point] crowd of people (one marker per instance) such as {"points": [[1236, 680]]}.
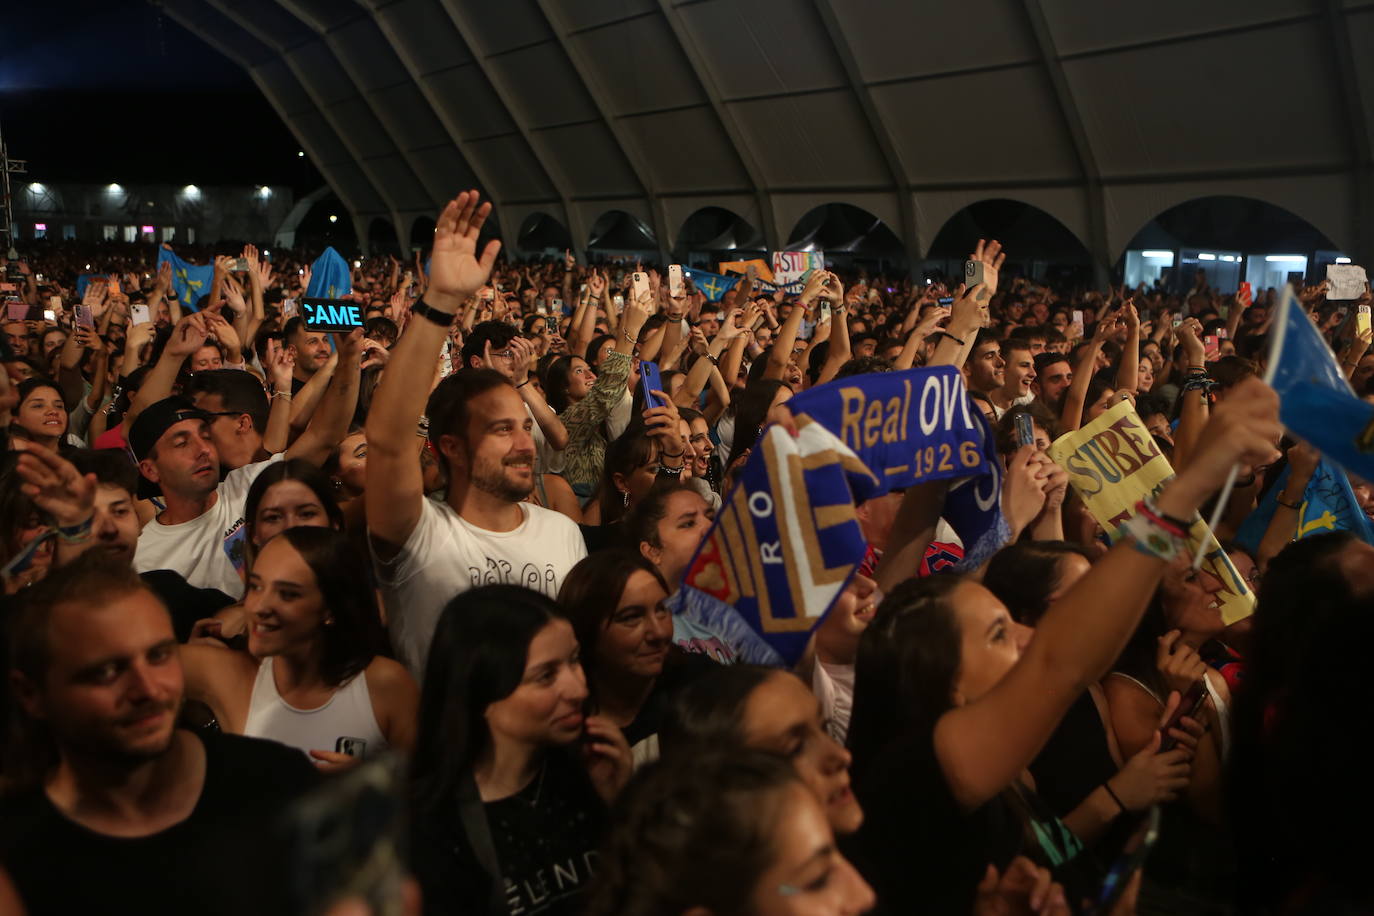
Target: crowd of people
{"points": [[244, 559]]}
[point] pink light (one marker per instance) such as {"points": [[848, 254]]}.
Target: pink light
{"points": [[147, 228], [40, 227]]}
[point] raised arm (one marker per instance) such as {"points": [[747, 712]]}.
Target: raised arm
{"points": [[186, 337], [1194, 406], [395, 487], [983, 746], [1128, 372], [1071, 417], [329, 425]]}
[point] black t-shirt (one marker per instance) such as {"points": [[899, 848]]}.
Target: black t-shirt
{"points": [[923, 853], [679, 669], [544, 838], [1076, 759], [221, 859]]}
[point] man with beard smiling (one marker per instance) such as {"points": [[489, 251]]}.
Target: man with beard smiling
{"points": [[153, 818], [483, 533]]}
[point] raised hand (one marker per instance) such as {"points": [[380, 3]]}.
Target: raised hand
{"points": [[992, 256], [456, 272], [281, 362], [188, 335], [233, 295], [607, 756], [54, 484]]}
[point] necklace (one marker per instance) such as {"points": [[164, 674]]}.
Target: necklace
{"points": [[538, 784]]}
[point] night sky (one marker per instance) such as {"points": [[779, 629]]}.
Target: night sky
{"points": [[115, 91]]}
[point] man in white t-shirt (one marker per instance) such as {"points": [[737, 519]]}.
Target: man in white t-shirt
{"points": [[201, 532], [425, 551]]}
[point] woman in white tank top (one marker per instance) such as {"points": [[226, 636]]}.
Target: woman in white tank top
{"points": [[311, 678]]}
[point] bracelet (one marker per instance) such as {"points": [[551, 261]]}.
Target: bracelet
{"points": [[1108, 787], [633, 340], [522, 384], [78, 532], [431, 314], [666, 455], [957, 340], [1181, 526], [282, 394], [1151, 538], [666, 471], [1296, 506]]}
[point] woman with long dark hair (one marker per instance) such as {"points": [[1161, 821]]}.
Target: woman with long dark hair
{"points": [[312, 677], [615, 600], [724, 834], [953, 700], [510, 779]]}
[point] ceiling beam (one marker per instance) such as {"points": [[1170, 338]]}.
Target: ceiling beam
{"points": [[832, 26], [577, 229], [394, 128], [726, 117], [1095, 199], [581, 65], [235, 13]]}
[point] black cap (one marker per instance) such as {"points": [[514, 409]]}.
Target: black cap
{"points": [[150, 426]]}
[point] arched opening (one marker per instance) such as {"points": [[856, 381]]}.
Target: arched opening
{"points": [[540, 232], [326, 222], [616, 232], [850, 236], [381, 237], [1226, 240], [1038, 245], [714, 233], [421, 233]]}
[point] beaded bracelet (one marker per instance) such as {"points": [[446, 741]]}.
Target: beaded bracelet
{"points": [[1152, 538], [77, 532]]}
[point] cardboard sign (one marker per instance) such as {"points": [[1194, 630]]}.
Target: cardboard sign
{"points": [[1113, 463], [1345, 281], [788, 266]]}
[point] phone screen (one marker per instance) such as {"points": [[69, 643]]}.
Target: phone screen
{"points": [[675, 281], [1362, 319], [1025, 430], [1131, 860]]}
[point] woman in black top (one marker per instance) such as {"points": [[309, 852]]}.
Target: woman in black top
{"points": [[1080, 772], [614, 599], [953, 699], [509, 780]]}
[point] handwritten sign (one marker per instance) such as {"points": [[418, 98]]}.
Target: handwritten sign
{"points": [[788, 266], [1113, 464]]}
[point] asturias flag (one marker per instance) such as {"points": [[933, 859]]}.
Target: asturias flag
{"points": [[191, 281], [712, 286]]}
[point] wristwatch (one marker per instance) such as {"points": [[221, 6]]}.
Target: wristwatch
{"points": [[430, 313]]}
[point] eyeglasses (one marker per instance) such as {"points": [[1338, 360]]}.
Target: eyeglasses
{"points": [[505, 354]]}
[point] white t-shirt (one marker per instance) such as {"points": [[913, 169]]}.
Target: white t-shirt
{"points": [[209, 550], [446, 554]]}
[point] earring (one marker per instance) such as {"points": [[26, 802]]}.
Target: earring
{"points": [[625, 498], [329, 621]]}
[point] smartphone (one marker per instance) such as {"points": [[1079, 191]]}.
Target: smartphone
{"points": [[49, 315], [447, 356], [973, 273], [16, 311], [85, 318], [675, 281], [1190, 706], [55, 303], [946, 301], [1362, 319], [541, 308], [557, 306], [288, 308], [345, 840], [1131, 860], [114, 286], [335, 315], [650, 381], [1178, 321], [241, 264], [1245, 295], [1025, 430], [618, 301], [1211, 347], [139, 314], [639, 284], [825, 312]]}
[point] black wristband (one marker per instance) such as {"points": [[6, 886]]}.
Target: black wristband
{"points": [[431, 314]]}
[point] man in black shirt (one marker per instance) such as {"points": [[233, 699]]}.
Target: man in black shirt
{"points": [[112, 808]]}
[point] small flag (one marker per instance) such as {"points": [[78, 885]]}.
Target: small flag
{"points": [[330, 277], [191, 281], [1328, 504], [712, 286]]}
